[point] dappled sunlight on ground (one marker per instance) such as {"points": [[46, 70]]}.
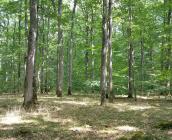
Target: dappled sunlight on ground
{"points": [[16, 117], [108, 131], [142, 107], [122, 107], [73, 102], [170, 132], [12, 117], [169, 108], [81, 117], [115, 132], [10, 139], [58, 120], [118, 130], [126, 128], [83, 129]]}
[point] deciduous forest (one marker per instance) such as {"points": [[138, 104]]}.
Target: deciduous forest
{"points": [[86, 69]]}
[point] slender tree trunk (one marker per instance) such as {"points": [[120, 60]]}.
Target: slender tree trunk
{"points": [[36, 79], [60, 69], [130, 71], [47, 58], [26, 40], [103, 87], [110, 86], [92, 49], [19, 55], [42, 51], [13, 78], [130, 56], [28, 95], [142, 63], [70, 53], [168, 50], [87, 45], [6, 79]]}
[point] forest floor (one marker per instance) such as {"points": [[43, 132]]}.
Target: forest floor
{"points": [[81, 117]]}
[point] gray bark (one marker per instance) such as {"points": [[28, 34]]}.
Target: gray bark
{"points": [[19, 55], [92, 45], [42, 34], [28, 94], [60, 49], [70, 54], [103, 85], [142, 62], [47, 59], [110, 84], [130, 56], [87, 45], [26, 36]]}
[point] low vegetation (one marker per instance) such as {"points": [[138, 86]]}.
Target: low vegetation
{"points": [[81, 117]]}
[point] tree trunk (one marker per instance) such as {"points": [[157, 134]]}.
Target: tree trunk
{"points": [[110, 84], [60, 69], [36, 79], [19, 55], [92, 49], [168, 49], [42, 51], [47, 59], [103, 87], [28, 94], [142, 62], [26, 41], [130, 56], [70, 53], [13, 78], [86, 50], [6, 79]]}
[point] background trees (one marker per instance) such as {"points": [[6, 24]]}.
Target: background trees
{"points": [[142, 26]]}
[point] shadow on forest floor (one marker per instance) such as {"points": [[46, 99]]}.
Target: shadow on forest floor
{"points": [[81, 117]]}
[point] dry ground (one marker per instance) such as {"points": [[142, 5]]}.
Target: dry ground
{"points": [[81, 118]]}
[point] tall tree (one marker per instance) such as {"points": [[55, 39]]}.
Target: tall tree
{"points": [[47, 57], [29, 99], [60, 59], [26, 37], [142, 61], [130, 53], [110, 84], [19, 53], [87, 45], [168, 16], [42, 48], [103, 85], [70, 53], [92, 31]]}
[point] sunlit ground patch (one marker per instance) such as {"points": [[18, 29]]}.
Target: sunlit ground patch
{"points": [[15, 117], [83, 129], [126, 128], [58, 120], [12, 117], [122, 107], [170, 132], [108, 131], [140, 107], [8, 139], [82, 103]]}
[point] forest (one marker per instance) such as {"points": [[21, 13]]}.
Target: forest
{"points": [[86, 69]]}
